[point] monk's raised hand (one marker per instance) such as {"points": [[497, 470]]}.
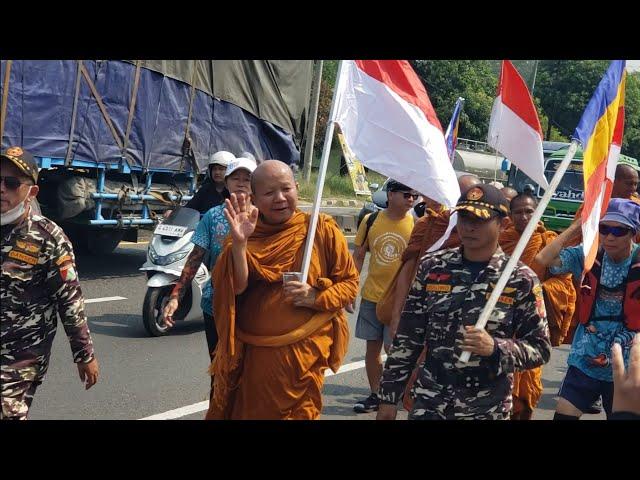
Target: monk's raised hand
{"points": [[300, 294], [241, 215]]}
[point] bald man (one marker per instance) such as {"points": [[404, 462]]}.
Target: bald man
{"points": [[277, 336]]}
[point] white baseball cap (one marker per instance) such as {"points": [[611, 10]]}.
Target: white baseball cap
{"points": [[240, 162], [221, 158]]}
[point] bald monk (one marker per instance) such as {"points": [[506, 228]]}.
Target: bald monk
{"points": [[276, 342], [426, 232], [559, 295]]}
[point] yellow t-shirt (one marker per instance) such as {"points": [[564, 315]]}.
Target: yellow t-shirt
{"points": [[386, 241]]}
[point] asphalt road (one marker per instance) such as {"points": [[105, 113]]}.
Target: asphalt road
{"points": [[143, 376]]}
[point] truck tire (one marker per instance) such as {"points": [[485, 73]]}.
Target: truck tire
{"points": [[103, 241], [152, 307]]}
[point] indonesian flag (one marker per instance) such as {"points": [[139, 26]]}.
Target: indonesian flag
{"points": [[514, 128], [389, 123], [600, 133]]}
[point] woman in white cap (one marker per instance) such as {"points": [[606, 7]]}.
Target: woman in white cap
{"points": [[208, 238]]}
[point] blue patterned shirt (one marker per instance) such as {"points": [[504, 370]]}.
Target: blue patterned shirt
{"points": [[592, 342], [210, 235]]}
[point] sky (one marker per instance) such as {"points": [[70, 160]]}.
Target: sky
{"points": [[633, 65]]}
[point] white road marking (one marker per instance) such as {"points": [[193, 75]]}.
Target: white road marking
{"points": [[202, 406], [104, 299]]}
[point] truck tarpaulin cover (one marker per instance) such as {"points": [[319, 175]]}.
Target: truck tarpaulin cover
{"points": [[258, 106]]}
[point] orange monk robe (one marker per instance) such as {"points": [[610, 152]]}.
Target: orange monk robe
{"points": [[271, 355], [577, 240], [427, 231], [560, 298]]}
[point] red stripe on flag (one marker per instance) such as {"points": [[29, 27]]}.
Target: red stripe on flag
{"points": [[618, 132], [592, 192], [516, 96], [403, 80]]}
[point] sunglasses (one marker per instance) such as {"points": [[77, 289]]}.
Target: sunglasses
{"points": [[615, 231], [407, 195], [12, 183]]}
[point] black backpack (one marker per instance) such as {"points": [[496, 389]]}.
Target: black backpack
{"points": [[370, 220]]}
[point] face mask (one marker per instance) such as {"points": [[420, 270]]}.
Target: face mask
{"points": [[15, 213]]}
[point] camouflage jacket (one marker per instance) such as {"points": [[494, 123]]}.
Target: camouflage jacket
{"points": [[443, 299], [39, 281]]}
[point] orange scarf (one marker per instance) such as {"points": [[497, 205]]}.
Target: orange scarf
{"points": [[271, 250]]}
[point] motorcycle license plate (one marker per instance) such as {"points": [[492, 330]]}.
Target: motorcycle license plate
{"points": [[170, 230]]}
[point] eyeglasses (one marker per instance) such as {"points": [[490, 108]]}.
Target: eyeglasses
{"points": [[615, 231], [407, 195], [12, 183]]}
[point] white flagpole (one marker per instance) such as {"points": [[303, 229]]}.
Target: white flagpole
{"points": [[522, 243], [328, 138]]}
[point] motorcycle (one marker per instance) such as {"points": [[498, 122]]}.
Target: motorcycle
{"points": [[167, 254]]}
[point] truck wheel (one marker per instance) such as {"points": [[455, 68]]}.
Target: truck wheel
{"points": [[152, 307], [102, 242]]}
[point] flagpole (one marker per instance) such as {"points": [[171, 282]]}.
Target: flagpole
{"points": [[315, 210], [522, 243]]}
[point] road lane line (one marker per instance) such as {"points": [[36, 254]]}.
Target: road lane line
{"points": [[104, 299], [202, 406]]}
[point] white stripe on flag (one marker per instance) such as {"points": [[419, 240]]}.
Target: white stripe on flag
{"points": [[516, 140], [393, 137]]}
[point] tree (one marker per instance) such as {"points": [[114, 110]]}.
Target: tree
{"points": [[446, 80]]}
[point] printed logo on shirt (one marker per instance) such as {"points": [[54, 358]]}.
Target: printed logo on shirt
{"points": [[439, 277], [388, 248]]}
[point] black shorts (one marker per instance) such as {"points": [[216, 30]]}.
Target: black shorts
{"points": [[582, 390]]}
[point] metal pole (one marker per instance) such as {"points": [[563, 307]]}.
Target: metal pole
{"points": [[522, 243], [328, 137], [535, 72], [313, 120]]}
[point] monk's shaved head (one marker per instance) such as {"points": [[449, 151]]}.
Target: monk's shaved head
{"points": [[275, 192], [509, 193], [467, 181], [270, 169], [625, 183]]}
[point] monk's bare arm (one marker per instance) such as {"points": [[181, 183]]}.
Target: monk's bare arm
{"points": [[550, 254], [240, 267]]}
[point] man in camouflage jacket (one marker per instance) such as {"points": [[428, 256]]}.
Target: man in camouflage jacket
{"points": [[39, 282], [445, 301]]}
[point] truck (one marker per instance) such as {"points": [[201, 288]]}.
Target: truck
{"points": [[118, 142]]}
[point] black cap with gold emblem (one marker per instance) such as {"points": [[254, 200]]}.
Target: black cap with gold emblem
{"points": [[484, 201], [23, 160]]}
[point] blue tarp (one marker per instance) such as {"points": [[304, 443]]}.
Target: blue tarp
{"points": [[40, 104]]}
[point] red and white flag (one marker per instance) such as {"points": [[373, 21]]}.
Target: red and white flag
{"points": [[390, 125], [514, 128]]}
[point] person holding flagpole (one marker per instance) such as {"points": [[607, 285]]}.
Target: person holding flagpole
{"points": [[277, 335], [609, 307], [445, 301]]}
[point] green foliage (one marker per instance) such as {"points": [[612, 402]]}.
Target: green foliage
{"points": [[446, 80]]}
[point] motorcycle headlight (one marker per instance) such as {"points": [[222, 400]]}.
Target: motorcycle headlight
{"points": [[153, 254], [173, 257]]}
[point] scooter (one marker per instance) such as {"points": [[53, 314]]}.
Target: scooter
{"points": [[167, 254]]}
